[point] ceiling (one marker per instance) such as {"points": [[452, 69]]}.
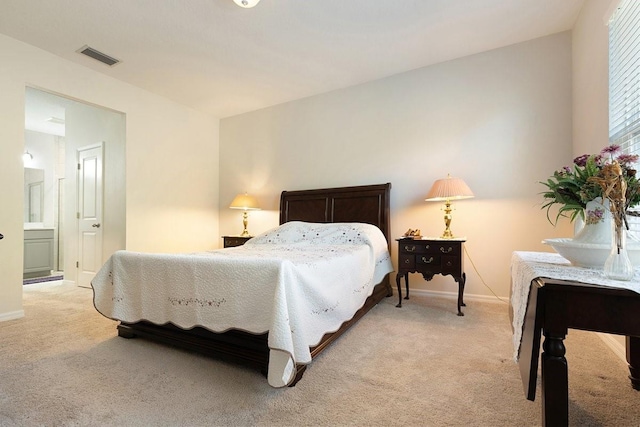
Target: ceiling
{"points": [[224, 60]]}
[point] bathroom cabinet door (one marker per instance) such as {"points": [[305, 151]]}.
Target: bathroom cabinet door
{"points": [[38, 252]]}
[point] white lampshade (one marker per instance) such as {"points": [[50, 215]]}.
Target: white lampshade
{"points": [[246, 3], [244, 201], [449, 189]]}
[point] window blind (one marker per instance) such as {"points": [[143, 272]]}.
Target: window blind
{"points": [[624, 77], [624, 86]]}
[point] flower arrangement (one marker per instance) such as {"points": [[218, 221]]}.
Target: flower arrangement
{"points": [[572, 187]]}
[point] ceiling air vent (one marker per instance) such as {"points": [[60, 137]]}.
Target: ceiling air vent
{"points": [[99, 56]]}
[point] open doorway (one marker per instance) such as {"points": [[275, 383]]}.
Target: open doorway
{"points": [[57, 129]]}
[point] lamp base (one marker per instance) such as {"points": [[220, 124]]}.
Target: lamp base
{"points": [[447, 234], [245, 222], [447, 221]]}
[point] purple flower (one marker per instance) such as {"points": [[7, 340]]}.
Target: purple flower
{"points": [[610, 150], [627, 159], [581, 160], [566, 170]]}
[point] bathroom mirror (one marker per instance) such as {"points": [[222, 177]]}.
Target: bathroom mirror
{"points": [[33, 195]]}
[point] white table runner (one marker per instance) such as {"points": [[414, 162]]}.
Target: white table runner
{"points": [[527, 266]]}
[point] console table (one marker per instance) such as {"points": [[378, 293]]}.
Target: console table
{"points": [[549, 296], [431, 256]]}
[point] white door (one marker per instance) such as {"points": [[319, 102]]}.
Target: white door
{"points": [[89, 213]]}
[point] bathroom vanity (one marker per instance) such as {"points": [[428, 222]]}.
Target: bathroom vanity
{"points": [[38, 252]]}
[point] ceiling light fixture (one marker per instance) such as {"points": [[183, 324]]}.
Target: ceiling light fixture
{"points": [[27, 157], [246, 3]]}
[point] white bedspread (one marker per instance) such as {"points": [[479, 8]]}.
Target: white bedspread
{"points": [[298, 282]]}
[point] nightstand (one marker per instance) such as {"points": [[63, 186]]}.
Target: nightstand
{"points": [[233, 241], [431, 256]]}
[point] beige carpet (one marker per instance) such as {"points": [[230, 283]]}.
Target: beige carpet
{"points": [[63, 365]]}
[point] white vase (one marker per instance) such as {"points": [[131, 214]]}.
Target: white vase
{"points": [[618, 265], [597, 223]]}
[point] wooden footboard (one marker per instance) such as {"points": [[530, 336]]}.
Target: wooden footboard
{"points": [[238, 346]]}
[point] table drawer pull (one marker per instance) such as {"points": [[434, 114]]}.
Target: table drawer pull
{"points": [[427, 261], [407, 261], [409, 248], [449, 249]]}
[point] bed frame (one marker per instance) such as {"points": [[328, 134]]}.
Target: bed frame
{"points": [[367, 204]]}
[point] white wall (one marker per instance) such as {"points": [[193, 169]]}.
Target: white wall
{"points": [[590, 47], [171, 161], [501, 120]]}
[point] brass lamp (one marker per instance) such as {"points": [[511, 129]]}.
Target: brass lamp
{"points": [[448, 189], [247, 203]]}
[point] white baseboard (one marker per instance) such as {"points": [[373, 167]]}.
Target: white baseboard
{"points": [[617, 347], [454, 295], [11, 315]]}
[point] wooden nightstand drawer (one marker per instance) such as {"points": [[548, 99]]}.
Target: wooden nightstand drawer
{"points": [[449, 249], [411, 246], [450, 264], [233, 241], [427, 259], [407, 261]]}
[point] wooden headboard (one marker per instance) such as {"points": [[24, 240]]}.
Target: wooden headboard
{"points": [[366, 203]]}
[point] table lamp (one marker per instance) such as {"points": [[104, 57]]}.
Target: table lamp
{"points": [[448, 189], [247, 203]]}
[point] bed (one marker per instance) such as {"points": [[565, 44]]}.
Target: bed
{"points": [[297, 281]]}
